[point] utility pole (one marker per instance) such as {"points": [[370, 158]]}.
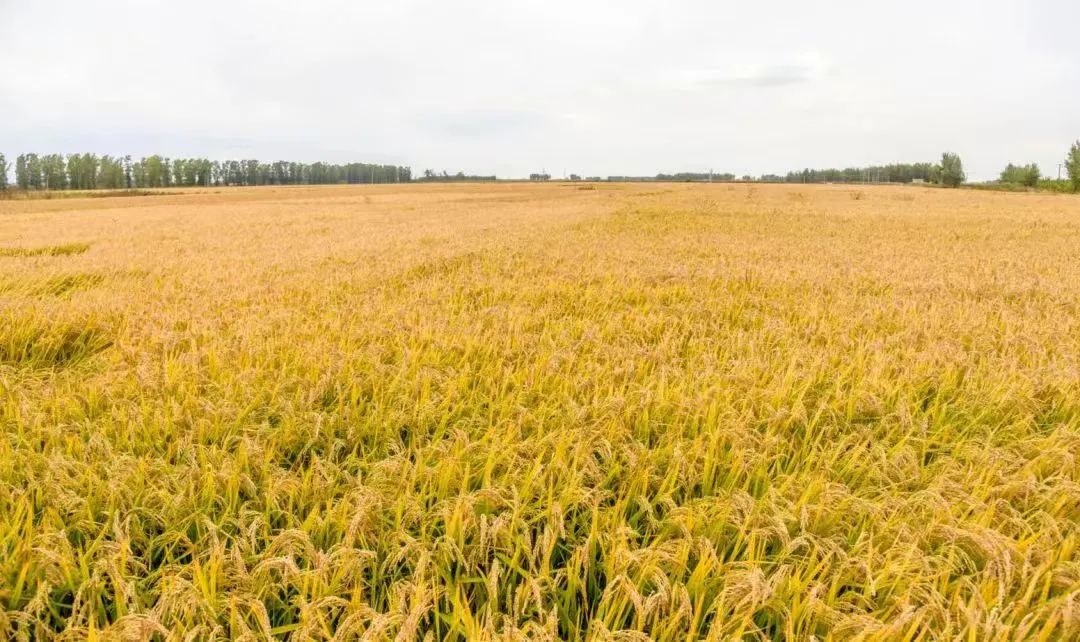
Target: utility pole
{"points": [[1059, 171]]}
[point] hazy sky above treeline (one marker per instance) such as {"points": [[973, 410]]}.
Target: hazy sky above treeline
{"points": [[507, 87]]}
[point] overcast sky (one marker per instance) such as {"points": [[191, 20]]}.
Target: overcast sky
{"points": [[507, 87]]}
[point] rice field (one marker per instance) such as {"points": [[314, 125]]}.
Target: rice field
{"points": [[584, 412]]}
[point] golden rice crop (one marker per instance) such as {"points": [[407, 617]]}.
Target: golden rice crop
{"points": [[665, 412]]}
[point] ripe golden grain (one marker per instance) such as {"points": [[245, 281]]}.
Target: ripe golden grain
{"points": [[537, 411]]}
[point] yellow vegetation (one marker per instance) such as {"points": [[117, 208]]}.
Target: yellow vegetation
{"points": [[662, 412]]}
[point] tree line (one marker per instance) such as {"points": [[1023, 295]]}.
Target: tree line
{"points": [[949, 172], [1031, 176], [431, 176], [1072, 163], [895, 173], [90, 171], [1026, 175], [725, 177]]}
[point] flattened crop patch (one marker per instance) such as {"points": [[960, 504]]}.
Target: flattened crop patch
{"points": [[31, 341], [67, 249]]}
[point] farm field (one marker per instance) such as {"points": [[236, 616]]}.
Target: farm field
{"points": [[544, 411]]}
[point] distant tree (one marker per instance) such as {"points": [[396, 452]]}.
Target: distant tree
{"points": [[1027, 175], [180, 171], [896, 173], [110, 173], [3, 174], [74, 171], [391, 174], [137, 173], [35, 166], [1072, 164], [251, 172], [154, 170], [89, 171], [1009, 174], [22, 172], [952, 170], [82, 170], [54, 169], [689, 177]]}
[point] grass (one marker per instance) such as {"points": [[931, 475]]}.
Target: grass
{"points": [[1046, 185], [515, 411]]}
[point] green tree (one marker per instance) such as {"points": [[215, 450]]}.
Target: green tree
{"points": [[55, 171], [1031, 175], [138, 173], [3, 174], [154, 170], [1026, 175], [22, 176], [935, 174], [28, 174], [82, 170], [89, 171], [110, 173], [1072, 164], [952, 170]]}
